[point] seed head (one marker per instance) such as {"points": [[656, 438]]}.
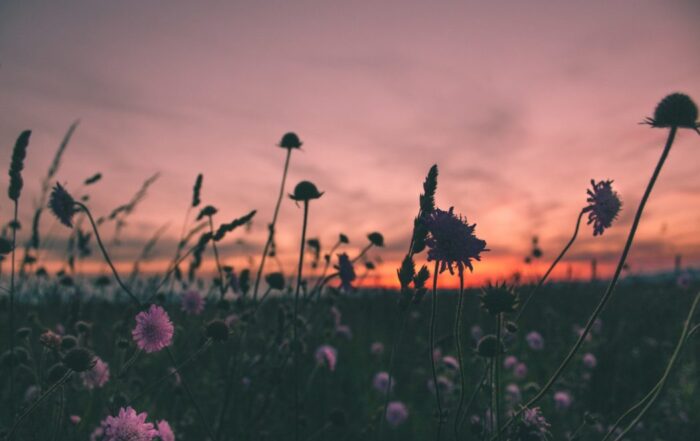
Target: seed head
{"points": [[19, 153], [305, 191], [489, 346], [79, 359], [675, 110], [376, 239], [275, 281], [62, 205], [217, 330], [497, 299], [290, 140]]}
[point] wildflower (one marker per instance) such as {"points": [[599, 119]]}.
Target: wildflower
{"points": [[79, 359], [327, 355], [165, 433], [128, 426], [337, 315], [535, 341], [452, 241], [50, 339], [603, 206], [97, 376], [562, 400], [683, 280], [531, 426], [476, 332], [346, 272], [520, 370], [74, 419], [445, 384], [62, 205], [192, 303], [675, 110], [231, 320], [97, 434], [381, 382], [489, 346], [510, 362], [450, 362], [589, 360], [290, 140], [499, 298], [377, 348], [305, 191], [376, 239], [396, 413], [68, 342], [154, 330]]}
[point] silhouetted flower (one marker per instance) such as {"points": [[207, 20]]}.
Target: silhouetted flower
{"points": [[305, 191], [165, 433], [154, 330], [290, 140], [128, 426], [327, 355], [62, 205], [603, 206], [396, 413], [346, 272], [451, 240], [499, 298], [217, 330], [675, 110], [275, 281], [377, 239], [192, 303], [489, 346], [97, 376]]}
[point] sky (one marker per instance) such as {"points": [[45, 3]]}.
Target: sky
{"points": [[520, 104]]}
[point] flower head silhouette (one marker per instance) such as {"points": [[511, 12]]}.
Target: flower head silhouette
{"points": [[603, 206], [451, 240]]}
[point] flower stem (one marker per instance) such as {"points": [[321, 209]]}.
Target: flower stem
{"points": [[458, 339], [222, 288], [433, 313], [271, 233], [12, 316], [34, 405], [497, 374], [397, 338], [613, 282], [556, 261], [296, 325]]}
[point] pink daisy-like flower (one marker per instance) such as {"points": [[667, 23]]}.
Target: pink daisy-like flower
{"points": [[154, 330], [97, 376], [165, 433], [192, 303], [396, 413], [510, 362], [520, 371], [128, 426], [327, 355]]}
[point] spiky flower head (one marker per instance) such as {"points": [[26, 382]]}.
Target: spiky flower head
{"points": [[305, 191], [499, 298], [62, 205], [346, 272], [192, 303], [604, 205], [451, 240], [396, 413], [327, 355], [79, 359], [343, 238], [128, 426], [290, 140], [675, 110], [154, 330]]}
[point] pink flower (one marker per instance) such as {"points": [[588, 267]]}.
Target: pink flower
{"points": [[535, 341], [192, 303], [450, 362], [520, 370], [97, 376], [154, 330], [510, 362], [377, 348], [562, 400], [513, 394], [344, 331], [165, 433], [75, 419], [589, 360], [97, 434], [231, 320], [381, 382], [128, 426], [396, 413], [327, 355]]}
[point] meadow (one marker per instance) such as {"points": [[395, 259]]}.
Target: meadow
{"points": [[254, 354]]}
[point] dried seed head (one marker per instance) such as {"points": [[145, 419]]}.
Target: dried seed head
{"points": [[68, 342], [79, 359], [675, 110], [499, 298], [19, 153], [376, 239], [290, 140], [217, 330], [305, 191], [56, 372], [62, 205]]}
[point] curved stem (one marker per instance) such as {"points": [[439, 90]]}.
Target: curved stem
{"points": [[296, 325], [497, 374], [613, 282], [362, 253], [271, 233], [106, 256], [12, 315], [34, 405], [433, 313], [556, 261], [397, 338], [458, 339]]}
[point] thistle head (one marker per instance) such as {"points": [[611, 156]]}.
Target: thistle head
{"points": [[675, 110], [499, 298], [62, 205], [79, 359], [305, 191], [604, 205], [451, 240], [290, 141]]}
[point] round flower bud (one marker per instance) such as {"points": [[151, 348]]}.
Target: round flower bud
{"points": [[376, 239], [290, 140], [497, 299], [489, 346], [68, 342], [675, 110], [56, 372], [79, 359], [305, 191], [275, 280], [217, 330]]}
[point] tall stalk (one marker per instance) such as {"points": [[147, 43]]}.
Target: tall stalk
{"points": [[497, 375], [433, 314], [460, 350], [12, 315], [296, 325]]}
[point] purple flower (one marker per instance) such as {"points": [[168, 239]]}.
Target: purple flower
{"points": [[510, 362], [445, 384], [450, 362], [154, 330], [520, 371], [97, 434], [562, 400], [128, 426], [377, 348], [231, 320], [535, 341], [327, 355], [346, 272], [532, 426], [589, 360], [97, 376], [396, 413], [165, 432], [381, 382], [683, 280], [603, 206], [451, 240], [192, 303]]}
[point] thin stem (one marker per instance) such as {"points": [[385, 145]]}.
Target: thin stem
{"points": [[613, 282], [271, 233], [497, 374], [433, 313], [556, 261], [460, 356], [477, 388], [362, 253], [34, 405], [106, 256], [216, 258], [12, 315], [296, 313], [397, 338]]}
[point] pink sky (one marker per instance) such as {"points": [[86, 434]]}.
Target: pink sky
{"points": [[519, 103]]}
